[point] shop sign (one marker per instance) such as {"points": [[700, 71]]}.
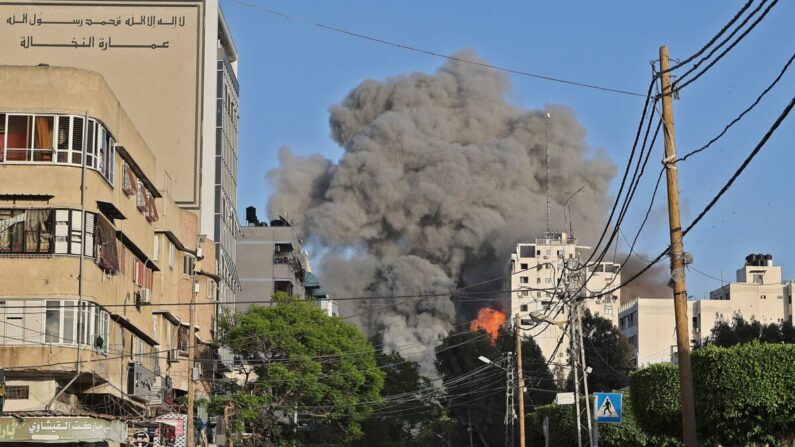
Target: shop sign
{"points": [[58, 429]]}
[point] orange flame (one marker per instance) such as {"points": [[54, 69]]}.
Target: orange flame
{"points": [[490, 320]]}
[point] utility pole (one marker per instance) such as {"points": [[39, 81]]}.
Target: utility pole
{"points": [[191, 359], [677, 259], [578, 316], [520, 380], [573, 358], [509, 413]]}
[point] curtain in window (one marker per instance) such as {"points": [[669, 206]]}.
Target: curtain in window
{"points": [[107, 250], [12, 230], [43, 137], [38, 236]]}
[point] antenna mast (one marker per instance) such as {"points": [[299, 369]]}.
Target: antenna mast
{"points": [[546, 149]]}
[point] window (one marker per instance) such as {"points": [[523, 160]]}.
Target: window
{"points": [[764, 297], [548, 280], [69, 231], [538, 280], [210, 289], [523, 308], [188, 262], [524, 279], [128, 180], [758, 278], [560, 253], [523, 266], [524, 293], [182, 339], [25, 231], [17, 392], [156, 248], [140, 195], [94, 327], [527, 251], [609, 310], [22, 322], [171, 255]]}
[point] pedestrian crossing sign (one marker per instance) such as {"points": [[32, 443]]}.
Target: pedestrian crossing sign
{"points": [[607, 407]]}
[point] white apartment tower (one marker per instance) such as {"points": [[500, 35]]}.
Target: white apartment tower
{"points": [[219, 171], [538, 272]]}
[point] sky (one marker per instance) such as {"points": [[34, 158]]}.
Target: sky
{"points": [[291, 73]]}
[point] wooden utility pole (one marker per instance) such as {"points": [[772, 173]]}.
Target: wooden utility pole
{"points": [[520, 377], [191, 358], [677, 260]]}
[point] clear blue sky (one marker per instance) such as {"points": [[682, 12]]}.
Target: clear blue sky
{"points": [[290, 73]]}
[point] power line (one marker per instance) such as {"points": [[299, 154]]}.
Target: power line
{"points": [[714, 38], [744, 112], [717, 197], [677, 87], [431, 53]]}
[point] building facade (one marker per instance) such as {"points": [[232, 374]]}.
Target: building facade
{"points": [[759, 293], [99, 264], [543, 274], [271, 259], [173, 66]]}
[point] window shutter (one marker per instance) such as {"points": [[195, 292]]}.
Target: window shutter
{"points": [[34, 323], [75, 233], [14, 322], [89, 245], [61, 231]]}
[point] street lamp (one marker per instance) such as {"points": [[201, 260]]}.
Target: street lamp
{"points": [[484, 360]]}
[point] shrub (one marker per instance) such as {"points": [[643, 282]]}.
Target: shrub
{"points": [[655, 399]]}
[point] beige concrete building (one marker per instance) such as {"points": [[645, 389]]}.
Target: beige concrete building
{"points": [[538, 274], [173, 66], [99, 265], [758, 293], [271, 259]]}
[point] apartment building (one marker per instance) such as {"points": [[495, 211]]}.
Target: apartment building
{"points": [[173, 65], [271, 259], [99, 266], [539, 272], [758, 293]]}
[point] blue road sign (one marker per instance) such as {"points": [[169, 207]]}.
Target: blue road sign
{"points": [[607, 408]]}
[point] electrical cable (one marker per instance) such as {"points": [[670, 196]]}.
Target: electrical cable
{"points": [[741, 115], [431, 53], [676, 87]]}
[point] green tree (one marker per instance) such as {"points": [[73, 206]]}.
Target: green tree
{"points": [[410, 408], [475, 392], [740, 331], [608, 352], [298, 359]]}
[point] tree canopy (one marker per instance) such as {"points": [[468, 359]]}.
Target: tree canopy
{"points": [[607, 352], [299, 362], [475, 391], [740, 331]]}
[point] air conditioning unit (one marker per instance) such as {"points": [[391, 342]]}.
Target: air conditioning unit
{"points": [[145, 296], [197, 371], [196, 287], [172, 356], [199, 253]]}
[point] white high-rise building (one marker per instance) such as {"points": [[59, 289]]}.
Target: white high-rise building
{"points": [[539, 272]]}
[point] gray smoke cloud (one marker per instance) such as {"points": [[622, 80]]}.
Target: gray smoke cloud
{"points": [[439, 178]]}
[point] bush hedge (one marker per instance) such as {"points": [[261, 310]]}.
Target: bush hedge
{"points": [[562, 429], [744, 394]]}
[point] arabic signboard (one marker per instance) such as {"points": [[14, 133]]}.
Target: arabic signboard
{"points": [[141, 383], [150, 52], [59, 429]]}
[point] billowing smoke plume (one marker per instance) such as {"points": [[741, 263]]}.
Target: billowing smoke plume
{"points": [[440, 177]]}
